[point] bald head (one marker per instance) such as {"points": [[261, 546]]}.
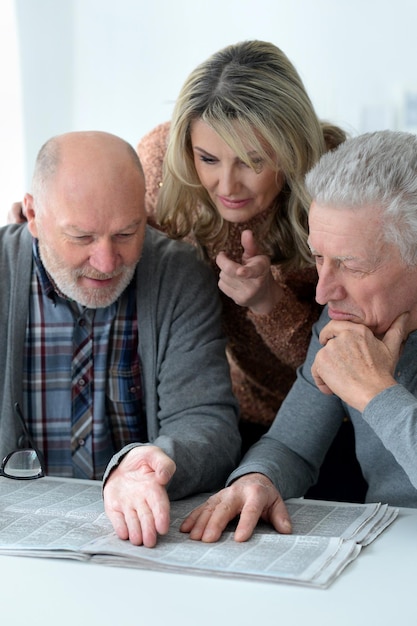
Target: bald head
{"points": [[72, 156]]}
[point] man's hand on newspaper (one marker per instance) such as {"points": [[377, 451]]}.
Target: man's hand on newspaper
{"points": [[16, 214], [135, 497], [252, 496]]}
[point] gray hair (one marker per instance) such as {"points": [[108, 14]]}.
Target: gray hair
{"points": [[376, 169], [46, 167]]}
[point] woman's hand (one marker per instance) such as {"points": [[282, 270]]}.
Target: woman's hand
{"points": [[250, 283], [16, 214]]}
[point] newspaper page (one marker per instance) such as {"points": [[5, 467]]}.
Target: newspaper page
{"points": [[52, 517]]}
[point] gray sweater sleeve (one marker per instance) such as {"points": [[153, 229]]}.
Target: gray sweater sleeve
{"points": [[293, 449], [291, 453], [392, 415]]}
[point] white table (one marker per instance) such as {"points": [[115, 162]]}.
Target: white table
{"points": [[380, 587]]}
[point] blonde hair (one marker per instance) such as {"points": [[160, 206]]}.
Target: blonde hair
{"points": [[248, 93]]}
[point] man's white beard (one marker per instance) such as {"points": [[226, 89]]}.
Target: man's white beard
{"points": [[66, 280]]}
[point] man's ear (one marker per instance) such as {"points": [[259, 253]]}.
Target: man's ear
{"points": [[30, 213]]}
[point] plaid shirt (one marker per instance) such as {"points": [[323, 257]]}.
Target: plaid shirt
{"points": [[116, 398]]}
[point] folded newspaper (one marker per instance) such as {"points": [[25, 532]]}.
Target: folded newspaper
{"points": [[64, 518]]}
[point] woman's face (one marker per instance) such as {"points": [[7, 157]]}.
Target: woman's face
{"points": [[238, 191]]}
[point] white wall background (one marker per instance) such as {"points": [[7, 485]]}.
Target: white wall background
{"points": [[117, 65], [12, 147]]}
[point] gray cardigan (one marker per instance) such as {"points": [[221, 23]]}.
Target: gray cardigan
{"points": [[291, 453], [190, 409]]}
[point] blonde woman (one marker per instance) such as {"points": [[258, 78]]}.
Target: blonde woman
{"points": [[242, 137]]}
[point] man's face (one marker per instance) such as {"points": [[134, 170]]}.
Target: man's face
{"points": [[90, 235], [361, 277]]}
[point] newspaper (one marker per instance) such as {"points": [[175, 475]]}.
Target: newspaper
{"points": [[64, 518]]}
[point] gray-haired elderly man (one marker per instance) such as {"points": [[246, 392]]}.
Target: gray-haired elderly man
{"points": [[362, 357]]}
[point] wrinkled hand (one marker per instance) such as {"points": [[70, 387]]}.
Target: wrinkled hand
{"points": [[354, 364], [135, 497], [16, 214], [252, 496], [249, 283]]}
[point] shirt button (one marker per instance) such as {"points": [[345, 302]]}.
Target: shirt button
{"points": [[81, 382], [81, 442]]}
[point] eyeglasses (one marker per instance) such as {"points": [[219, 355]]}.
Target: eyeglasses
{"points": [[23, 463]]}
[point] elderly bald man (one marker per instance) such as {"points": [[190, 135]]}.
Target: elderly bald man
{"points": [[112, 342]]}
